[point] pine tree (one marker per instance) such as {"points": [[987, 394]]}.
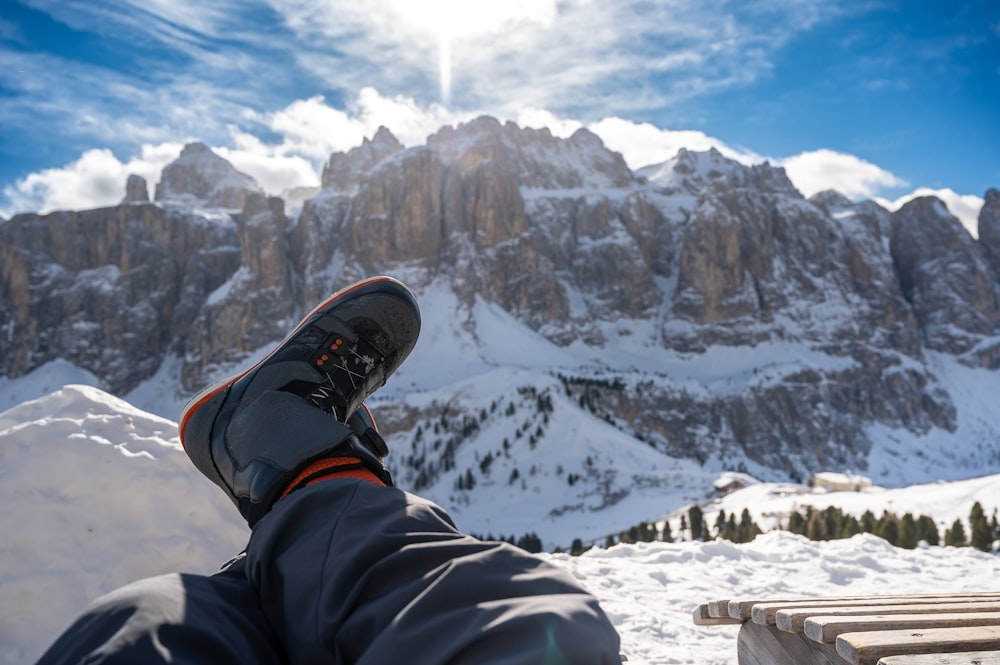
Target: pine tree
{"points": [[927, 530], [955, 536], [665, 535], [868, 522], [577, 548], [908, 536], [514, 475], [529, 542], [888, 528], [797, 523], [720, 524], [834, 519], [849, 527], [747, 529], [980, 535], [684, 526], [647, 532]]}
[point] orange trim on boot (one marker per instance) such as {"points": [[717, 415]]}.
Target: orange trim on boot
{"points": [[327, 468]]}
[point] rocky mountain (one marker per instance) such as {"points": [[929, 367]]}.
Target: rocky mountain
{"points": [[699, 309], [199, 177]]}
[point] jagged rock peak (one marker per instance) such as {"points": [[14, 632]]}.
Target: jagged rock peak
{"points": [[829, 199], [695, 170], [539, 159], [136, 190], [344, 171], [384, 140], [195, 148], [691, 168], [201, 177]]}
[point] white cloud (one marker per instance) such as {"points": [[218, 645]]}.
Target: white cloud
{"points": [[642, 144], [275, 173], [96, 179], [816, 170], [309, 132], [314, 129], [461, 18], [965, 207], [536, 118]]}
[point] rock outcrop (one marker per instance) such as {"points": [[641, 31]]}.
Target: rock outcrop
{"points": [[136, 190], [199, 177], [346, 171], [989, 229], [945, 275]]}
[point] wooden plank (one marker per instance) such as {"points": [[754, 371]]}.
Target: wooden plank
{"points": [[766, 612], [703, 618], [742, 608], [718, 608], [958, 658], [826, 628], [766, 645], [793, 620], [868, 647]]}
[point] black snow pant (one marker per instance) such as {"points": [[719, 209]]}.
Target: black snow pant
{"points": [[346, 572]]}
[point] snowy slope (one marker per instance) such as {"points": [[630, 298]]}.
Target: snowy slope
{"points": [[98, 493], [771, 503], [650, 590]]}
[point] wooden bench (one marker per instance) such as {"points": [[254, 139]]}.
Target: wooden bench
{"points": [[948, 629]]}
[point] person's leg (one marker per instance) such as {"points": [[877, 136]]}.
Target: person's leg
{"points": [[351, 572], [178, 619]]}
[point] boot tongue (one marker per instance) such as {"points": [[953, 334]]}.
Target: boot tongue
{"points": [[328, 400], [351, 367]]}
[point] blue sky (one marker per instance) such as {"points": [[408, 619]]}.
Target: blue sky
{"points": [[878, 98]]}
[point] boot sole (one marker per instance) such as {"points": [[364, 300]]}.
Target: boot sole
{"points": [[363, 287]]}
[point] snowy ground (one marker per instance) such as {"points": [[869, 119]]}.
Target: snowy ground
{"points": [[97, 493]]}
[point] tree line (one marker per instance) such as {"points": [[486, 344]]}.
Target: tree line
{"points": [[831, 523]]}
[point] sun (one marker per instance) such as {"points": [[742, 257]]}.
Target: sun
{"points": [[449, 21]]}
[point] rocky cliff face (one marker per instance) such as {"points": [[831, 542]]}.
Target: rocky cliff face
{"points": [[989, 229], [111, 290], [676, 261], [945, 275], [254, 306]]}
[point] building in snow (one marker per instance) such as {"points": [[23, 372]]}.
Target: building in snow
{"points": [[839, 482]]}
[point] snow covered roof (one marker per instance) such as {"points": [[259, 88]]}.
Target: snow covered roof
{"points": [[833, 478]]}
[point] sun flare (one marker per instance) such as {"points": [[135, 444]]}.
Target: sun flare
{"points": [[451, 21]]}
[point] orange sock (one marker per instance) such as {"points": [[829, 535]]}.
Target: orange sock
{"points": [[331, 467]]}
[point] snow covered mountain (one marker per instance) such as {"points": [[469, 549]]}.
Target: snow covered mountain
{"points": [[621, 337]]}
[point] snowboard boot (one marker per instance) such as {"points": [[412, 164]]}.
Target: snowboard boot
{"points": [[298, 414]]}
